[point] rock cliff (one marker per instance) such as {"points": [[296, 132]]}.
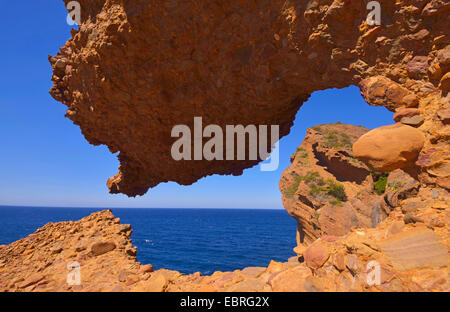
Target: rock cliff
{"points": [[135, 69], [326, 189], [330, 192]]}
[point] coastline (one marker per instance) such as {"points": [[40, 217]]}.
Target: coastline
{"points": [[107, 262], [185, 240]]}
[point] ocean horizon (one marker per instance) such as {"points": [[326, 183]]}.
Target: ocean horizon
{"points": [[184, 239]]}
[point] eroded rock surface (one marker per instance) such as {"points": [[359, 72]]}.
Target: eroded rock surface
{"points": [[330, 193], [411, 257], [135, 69], [326, 189]]}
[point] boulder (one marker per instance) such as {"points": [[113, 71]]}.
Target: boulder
{"points": [[382, 91], [444, 85], [418, 66], [100, 248], [444, 115], [124, 227], [405, 112], [316, 255], [435, 71], [410, 100], [436, 7], [148, 268], [275, 267], [414, 121], [339, 261], [443, 56], [389, 147]]}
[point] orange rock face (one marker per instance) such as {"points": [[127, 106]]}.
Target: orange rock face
{"points": [[135, 69], [326, 189], [44, 260], [415, 249], [407, 257]]}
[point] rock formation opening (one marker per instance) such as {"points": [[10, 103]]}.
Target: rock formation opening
{"points": [[135, 69]]}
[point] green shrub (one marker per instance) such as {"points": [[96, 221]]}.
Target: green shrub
{"points": [[291, 190], [396, 185], [331, 140], [336, 202], [303, 155], [316, 215], [337, 190], [318, 186], [380, 185], [380, 182], [337, 139], [345, 140], [355, 160], [311, 176], [317, 190]]}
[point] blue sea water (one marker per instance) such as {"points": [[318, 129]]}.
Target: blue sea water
{"points": [[186, 240]]}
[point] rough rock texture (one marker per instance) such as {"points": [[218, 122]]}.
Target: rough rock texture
{"points": [[39, 262], [137, 68], [330, 193], [412, 257], [326, 189]]}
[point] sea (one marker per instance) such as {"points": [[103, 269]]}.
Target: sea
{"points": [[186, 240]]}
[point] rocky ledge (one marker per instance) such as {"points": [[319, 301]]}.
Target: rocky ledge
{"points": [[412, 254]]}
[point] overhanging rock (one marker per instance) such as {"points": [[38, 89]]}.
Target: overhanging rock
{"points": [[135, 69]]}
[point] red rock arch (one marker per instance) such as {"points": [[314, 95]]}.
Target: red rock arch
{"points": [[137, 68]]}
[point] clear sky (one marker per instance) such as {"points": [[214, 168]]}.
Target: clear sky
{"points": [[45, 161]]}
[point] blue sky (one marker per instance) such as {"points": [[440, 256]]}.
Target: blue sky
{"points": [[45, 161]]}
